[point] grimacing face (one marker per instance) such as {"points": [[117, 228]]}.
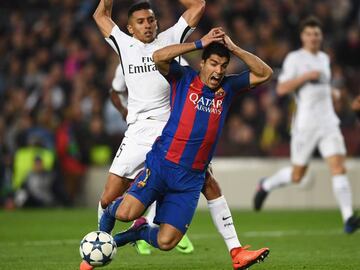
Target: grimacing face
{"points": [[311, 38], [142, 25], [212, 70]]}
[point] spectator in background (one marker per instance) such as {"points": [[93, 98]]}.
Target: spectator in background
{"points": [[5, 171], [273, 133], [71, 147], [37, 189], [99, 150]]}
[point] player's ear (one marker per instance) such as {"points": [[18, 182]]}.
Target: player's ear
{"points": [[157, 26], [130, 29], [202, 63]]}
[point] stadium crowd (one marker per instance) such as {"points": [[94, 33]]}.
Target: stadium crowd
{"points": [[55, 72]]}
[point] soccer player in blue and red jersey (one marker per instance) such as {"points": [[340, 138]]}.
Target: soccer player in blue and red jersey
{"points": [[175, 168]]}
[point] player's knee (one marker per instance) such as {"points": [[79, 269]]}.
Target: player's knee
{"points": [[167, 242], [211, 189], [105, 201], [297, 177], [336, 170], [124, 214]]}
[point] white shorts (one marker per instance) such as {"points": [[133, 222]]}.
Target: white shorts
{"points": [[328, 140], [139, 137]]}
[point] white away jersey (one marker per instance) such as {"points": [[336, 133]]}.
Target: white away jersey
{"points": [[148, 91], [314, 102]]}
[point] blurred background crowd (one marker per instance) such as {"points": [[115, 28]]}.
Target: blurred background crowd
{"points": [[56, 118]]}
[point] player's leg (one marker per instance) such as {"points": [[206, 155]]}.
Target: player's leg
{"points": [[184, 246], [178, 195], [333, 149], [114, 187], [302, 147], [222, 218], [127, 163], [131, 206], [219, 210]]}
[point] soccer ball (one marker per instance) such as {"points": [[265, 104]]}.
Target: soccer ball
{"points": [[97, 248]]}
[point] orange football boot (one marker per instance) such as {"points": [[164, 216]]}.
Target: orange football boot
{"points": [[85, 266], [243, 258]]}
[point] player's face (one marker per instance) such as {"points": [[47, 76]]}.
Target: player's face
{"points": [[311, 38], [143, 25], [213, 69]]}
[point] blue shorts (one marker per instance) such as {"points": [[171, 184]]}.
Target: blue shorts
{"points": [[175, 188]]}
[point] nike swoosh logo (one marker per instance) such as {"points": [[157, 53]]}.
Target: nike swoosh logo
{"points": [[225, 218], [181, 247]]}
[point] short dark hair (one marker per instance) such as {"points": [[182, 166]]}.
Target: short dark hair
{"points": [[310, 21], [215, 48], [138, 6]]}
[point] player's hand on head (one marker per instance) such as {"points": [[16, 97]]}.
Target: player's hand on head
{"points": [[215, 35], [229, 43]]}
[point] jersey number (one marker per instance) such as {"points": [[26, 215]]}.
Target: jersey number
{"points": [[120, 150]]}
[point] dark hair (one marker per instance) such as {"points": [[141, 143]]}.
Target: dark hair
{"points": [[215, 48], [138, 6], [310, 21]]}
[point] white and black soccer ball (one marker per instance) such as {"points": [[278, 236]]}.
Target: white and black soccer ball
{"points": [[97, 248]]}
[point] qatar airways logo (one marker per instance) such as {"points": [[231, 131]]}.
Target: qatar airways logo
{"points": [[204, 104]]}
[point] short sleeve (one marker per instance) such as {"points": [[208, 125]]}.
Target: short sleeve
{"points": [[178, 33], [118, 83], [288, 71], [118, 40], [239, 82]]}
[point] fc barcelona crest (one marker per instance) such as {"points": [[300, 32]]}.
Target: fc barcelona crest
{"points": [[143, 182], [220, 92]]}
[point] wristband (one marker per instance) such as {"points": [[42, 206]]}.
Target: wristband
{"points": [[198, 44]]}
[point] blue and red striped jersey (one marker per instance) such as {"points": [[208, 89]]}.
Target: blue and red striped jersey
{"points": [[197, 116]]}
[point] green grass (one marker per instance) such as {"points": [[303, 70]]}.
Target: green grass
{"points": [[49, 239]]}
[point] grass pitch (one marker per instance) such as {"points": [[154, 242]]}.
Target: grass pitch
{"points": [[49, 240]]}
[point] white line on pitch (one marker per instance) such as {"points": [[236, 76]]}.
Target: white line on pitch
{"points": [[192, 236]]}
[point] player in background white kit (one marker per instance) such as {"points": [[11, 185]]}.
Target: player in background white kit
{"points": [[148, 103], [306, 73]]}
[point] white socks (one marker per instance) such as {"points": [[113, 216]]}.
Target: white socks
{"points": [[342, 192], [223, 221], [151, 214], [100, 213], [280, 178]]}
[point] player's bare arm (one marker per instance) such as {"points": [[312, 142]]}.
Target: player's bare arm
{"points": [[102, 17], [164, 56], [194, 11], [290, 86], [116, 101], [259, 71]]}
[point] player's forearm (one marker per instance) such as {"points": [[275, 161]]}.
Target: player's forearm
{"points": [[102, 17], [261, 71], [290, 86], [164, 56], [104, 8], [194, 11], [116, 101]]}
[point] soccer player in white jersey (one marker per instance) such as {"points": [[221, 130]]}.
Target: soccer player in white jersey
{"points": [[148, 103], [306, 73]]}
